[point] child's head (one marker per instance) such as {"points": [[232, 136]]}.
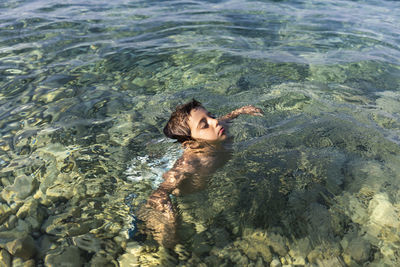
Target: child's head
{"points": [[191, 121]]}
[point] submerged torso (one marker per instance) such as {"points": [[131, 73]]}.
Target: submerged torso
{"points": [[199, 161]]}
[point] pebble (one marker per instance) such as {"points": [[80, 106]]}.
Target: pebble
{"points": [[331, 262], [266, 254], [277, 242], [5, 212], [387, 251], [18, 262], [70, 256], [21, 188], [87, 242], [4, 180], [383, 213], [134, 248], [313, 256], [5, 258], [22, 247], [299, 260], [59, 191], [33, 222], [275, 263], [259, 262], [359, 249], [348, 260], [28, 208]]}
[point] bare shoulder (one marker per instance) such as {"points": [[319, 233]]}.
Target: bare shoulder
{"points": [[186, 162]]}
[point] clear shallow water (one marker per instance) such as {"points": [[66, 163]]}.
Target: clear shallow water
{"points": [[87, 87]]}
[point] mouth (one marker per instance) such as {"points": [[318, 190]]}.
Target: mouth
{"points": [[221, 131]]}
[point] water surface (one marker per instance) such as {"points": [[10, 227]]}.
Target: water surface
{"points": [[86, 88]]}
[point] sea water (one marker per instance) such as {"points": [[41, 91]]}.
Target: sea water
{"points": [[87, 86]]}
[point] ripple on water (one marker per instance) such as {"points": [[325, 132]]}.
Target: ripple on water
{"points": [[87, 87]]}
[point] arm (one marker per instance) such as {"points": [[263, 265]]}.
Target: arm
{"points": [[160, 199], [159, 215], [250, 110]]}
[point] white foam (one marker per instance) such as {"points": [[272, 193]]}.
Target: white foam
{"points": [[151, 168]]}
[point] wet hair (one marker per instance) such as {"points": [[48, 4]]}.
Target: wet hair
{"points": [[177, 126]]}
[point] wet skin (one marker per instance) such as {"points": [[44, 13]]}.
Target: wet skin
{"points": [[190, 173], [204, 126]]}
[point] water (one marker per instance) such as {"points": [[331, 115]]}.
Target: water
{"points": [[86, 88]]}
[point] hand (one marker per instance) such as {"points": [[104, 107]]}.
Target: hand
{"points": [[251, 110]]}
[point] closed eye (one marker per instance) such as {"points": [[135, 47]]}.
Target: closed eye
{"points": [[203, 124]]}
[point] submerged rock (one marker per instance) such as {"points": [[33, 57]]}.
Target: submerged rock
{"points": [[278, 244], [10, 223], [329, 262], [19, 262], [87, 242], [5, 212], [102, 259], [69, 256], [22, 187], [359, 249], [252, 249], [59, 190], [382, 212], [28, 208], [181, 251], [45, 244], [137, 255], [390, 254], [127, 260], [200, 245], [5, 258], [356, 248], [54, 226], [22, 247], [275, 263], [122, 131], [327, 254], [300, 250]]}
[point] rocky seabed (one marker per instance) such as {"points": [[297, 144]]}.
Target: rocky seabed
{"points": [[65, 202]]}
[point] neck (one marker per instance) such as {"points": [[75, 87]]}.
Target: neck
{"points": [[201, 144]]}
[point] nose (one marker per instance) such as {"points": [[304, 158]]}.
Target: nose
{"points": [[214, 122]]}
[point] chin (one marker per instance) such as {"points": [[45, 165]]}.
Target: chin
{"points": [[217, 140], [221, 138]]}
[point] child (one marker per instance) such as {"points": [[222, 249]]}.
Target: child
{"points": [[201, 135]]}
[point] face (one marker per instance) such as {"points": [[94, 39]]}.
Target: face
{"points": [[204, 126]]}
